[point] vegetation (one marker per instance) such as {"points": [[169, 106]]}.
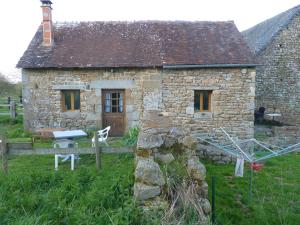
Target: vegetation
{"points": [[276, 193], [130, 138], [34, 194], [181, 192], [9, 89]]}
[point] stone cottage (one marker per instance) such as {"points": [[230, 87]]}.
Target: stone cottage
{"points": [[276, 43], [199, 75]]}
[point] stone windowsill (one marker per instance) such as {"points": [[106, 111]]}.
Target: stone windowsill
{"points": [[203, 115], [71, 114]]}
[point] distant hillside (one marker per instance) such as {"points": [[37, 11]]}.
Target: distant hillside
{"points": [[9, 89]]}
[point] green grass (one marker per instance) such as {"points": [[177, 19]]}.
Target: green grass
{"points": [[33, 193], [276, 193]]}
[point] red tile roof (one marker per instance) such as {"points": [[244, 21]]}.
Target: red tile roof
{"points": [[138, 44]]}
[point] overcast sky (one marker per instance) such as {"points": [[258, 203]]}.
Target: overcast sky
{"points": [[20, 19]]}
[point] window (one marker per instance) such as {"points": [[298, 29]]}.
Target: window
{"points": [[114, 102], [70, 100], [202, 101]]}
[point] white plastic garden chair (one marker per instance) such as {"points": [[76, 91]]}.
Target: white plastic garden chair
{"points": [[64, 143], [102, 136]]}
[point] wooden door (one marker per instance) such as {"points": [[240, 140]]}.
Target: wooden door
{"points": [[113, 111]]}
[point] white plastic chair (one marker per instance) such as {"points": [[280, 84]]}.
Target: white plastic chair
{"points": [[64, 143], [102, 136]]}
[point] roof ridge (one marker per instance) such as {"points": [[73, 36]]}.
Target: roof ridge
{"points": [[142, 21], [261, 34], [296, 8]]}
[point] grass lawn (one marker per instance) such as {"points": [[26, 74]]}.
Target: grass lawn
{"points": [[276, 193], [33, 193]]}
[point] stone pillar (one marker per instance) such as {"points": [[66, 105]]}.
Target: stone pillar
{"points": [[164, 145]]}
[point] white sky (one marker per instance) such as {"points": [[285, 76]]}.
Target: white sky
{"points": [[20, 19]]}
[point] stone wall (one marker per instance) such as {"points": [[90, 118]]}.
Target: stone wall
{"points": [[279, 135], [42, 96], [150, 94], [233, 92], [160, 150], [278, 79]]}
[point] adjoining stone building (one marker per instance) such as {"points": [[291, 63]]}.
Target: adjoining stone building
{"points": [[199, 75], [276, 43]]}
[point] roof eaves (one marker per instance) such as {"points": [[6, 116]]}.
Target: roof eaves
{"points": [[209, 66]]}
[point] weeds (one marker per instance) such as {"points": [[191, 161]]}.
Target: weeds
{"points": [[130, 138], [185, 207]]}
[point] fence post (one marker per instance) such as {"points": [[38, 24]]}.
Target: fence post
{"points": [[213, 200], [8, 101], [13, 113], [98, 151], [4, 153]]}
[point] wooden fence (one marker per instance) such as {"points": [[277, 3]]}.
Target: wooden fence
{"points": [[8, 149], [12, 107]]}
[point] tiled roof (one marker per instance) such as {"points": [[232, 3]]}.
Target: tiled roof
{"points": [[138, 44], [259, 36]]}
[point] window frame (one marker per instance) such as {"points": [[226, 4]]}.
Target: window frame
{"points": [[111, 105], [201, 100], [72, 95]]}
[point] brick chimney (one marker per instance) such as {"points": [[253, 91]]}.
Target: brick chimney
{"points": [[47, 23]]}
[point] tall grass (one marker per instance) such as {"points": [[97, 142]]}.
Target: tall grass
{"points": [[276, 193], [130, 137], [33, 193]]}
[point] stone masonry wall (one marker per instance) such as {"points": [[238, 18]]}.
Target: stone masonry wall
{"points": [[169, 125], [167, 92], [232, 100], [232, 105], [42, 95], [278, 79]]}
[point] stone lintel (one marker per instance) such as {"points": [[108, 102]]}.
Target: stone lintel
{"points": [[113, 84], [209, 88], [69, 87]]}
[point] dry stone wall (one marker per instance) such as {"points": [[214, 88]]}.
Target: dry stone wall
{"points": [[282, 136], [154, 150], [278, 77]]}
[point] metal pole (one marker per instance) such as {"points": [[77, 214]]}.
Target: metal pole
{"points": [[236, 145], [213, 199], [250, 182]]}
